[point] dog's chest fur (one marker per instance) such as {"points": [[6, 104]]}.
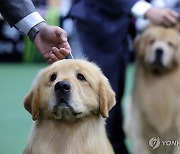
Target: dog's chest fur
{"points": [[158, 98], [54, 138]]}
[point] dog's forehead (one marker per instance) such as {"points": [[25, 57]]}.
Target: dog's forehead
{"points": [[71, 65], [162, 33]]}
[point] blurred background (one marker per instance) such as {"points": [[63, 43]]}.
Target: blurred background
{"points": [[20, 61]]}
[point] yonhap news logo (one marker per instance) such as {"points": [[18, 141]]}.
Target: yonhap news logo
{"points": [[155, 142]]}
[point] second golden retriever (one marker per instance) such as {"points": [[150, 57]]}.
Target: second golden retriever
{"points": [[153, 113], [69, 101]]}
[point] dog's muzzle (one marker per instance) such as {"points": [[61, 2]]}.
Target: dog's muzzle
{"points": [[157, 63], [62, 87], [62, 106], [62, 91], [158, 56]]}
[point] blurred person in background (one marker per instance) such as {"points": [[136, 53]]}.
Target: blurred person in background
{"points": [[141, 23], [51, 41], [103, 27]]}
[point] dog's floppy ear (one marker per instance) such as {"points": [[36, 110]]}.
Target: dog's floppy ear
{"points": [[106, 97], [31, 103]]}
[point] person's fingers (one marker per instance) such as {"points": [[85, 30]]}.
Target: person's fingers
{"points": [[53, 57], [64, 52], [64, 45], [46, 55], [174, 14], [64, 36], [49, 61], [170, 20], [61, 34], [57, 53], [67, 46], [170, 17], [165, 22]]}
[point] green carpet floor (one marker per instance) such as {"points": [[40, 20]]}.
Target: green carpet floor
{"points": [[15, 121]]}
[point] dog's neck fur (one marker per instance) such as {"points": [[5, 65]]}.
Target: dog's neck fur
{"points": [[86, 136]]}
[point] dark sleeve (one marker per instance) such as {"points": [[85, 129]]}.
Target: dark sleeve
{"points": [[177, 10], [123, 5], [15, 10], [118, 6]]}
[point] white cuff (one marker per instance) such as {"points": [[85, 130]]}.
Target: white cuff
{"points": [[140, 8], [25, 24]]}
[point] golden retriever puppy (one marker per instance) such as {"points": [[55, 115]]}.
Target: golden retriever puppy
{"points": [[153, 111], [69, 101]]}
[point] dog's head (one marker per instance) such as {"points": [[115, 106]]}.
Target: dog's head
{"points": [[158, 48], [69, 90]]}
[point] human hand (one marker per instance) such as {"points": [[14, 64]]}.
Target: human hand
{"points": [[162, 16], [52, 43]]}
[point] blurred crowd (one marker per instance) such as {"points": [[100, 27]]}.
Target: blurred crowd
{"points": [[101, 31]]}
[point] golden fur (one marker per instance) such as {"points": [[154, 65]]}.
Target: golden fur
{"points": [[154, 108], [73, 124]]}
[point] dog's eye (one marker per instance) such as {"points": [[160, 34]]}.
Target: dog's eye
{"points": [[152, 41], [53, 77], [170, 44], [80, 77]]}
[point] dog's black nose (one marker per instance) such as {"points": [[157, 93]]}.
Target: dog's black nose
{"points": [[159, 52], [62, 87]]}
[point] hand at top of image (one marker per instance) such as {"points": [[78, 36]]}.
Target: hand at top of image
{"points": [[52, 43], [162, 16]]}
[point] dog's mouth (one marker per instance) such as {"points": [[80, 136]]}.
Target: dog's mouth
{"points": [[157, 67], [63, 110], [157, 64], [62, 106]]}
